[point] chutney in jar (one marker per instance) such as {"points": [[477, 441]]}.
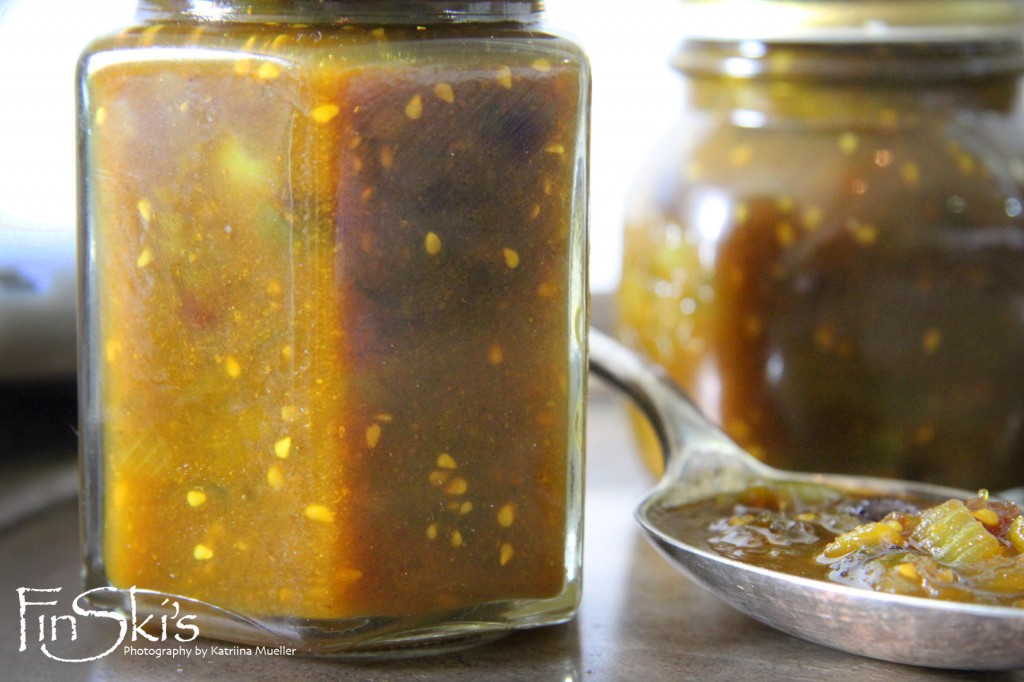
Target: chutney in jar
{"points": [[335, 305], [826, 252]]}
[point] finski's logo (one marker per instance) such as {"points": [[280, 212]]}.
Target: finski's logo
{"points": [[55, 628]]}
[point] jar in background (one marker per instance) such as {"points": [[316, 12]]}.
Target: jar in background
{"points": [[828, 250], [333, 342]]}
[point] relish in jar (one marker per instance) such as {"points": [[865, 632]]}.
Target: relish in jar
{"points": [[334, 299]]}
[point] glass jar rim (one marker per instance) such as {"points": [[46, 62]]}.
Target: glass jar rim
{"points": [[854, 21], [344, 11]]}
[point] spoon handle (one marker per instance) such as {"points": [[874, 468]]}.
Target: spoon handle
{"points": [[677, 422]]}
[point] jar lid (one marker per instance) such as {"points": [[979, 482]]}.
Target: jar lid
{"points": [[854, 21]]}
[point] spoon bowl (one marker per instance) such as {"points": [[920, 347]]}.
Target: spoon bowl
{"points": [[701, 461]]}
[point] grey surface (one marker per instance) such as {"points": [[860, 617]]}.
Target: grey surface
{"points": [[640, 619]]}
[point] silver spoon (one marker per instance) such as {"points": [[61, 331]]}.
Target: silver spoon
{"points": [[701, 461]]}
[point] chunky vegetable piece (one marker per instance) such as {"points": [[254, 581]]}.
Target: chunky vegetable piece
{"points": [[336, 275], [960, 551]]}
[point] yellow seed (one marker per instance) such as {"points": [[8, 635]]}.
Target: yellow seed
{"points": [[547, 290], [741, 212], [202, 553], [1017, 534], [555, 149], [785, 234], [290, 413], [232, 367], [268, 71], [535, 211], [812, 217], [149, 34], [438, 478], [113, 349], [195, 498], [824, 336], [101, 115], [275, 477], [373, 435], [740, 156], [120, 494], [806, 517], [541, 65], [504, 76], [848, 143], [324, 112], [931, 340], [924, 434], [741, 520], [348, 575], [466, 507], [277, 42], [378, 33], [865, 234], [456, 539], [414, 108], [507, 515], [432, 531], [283, 447], [241, 67], [432, 243], [457, 486], [506, 553], [286, 352], [911, 173], [145, 258], [965, 162], [387, 157], [274, 288], [444, 92], [318, 512], [753, 325], [907, 570], [738, 428], [384, 417], [446, 461], [511, 258], [495, 355], [987, 517], [145, 209]]}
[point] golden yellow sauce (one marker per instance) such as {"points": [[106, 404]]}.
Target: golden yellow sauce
{"points": [[969, 551], [335, 274]]}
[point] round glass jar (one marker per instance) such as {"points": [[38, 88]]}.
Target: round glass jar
{"points": [[333, 308], [828, 249]]}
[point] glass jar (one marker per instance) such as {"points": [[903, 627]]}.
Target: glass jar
{"points": [[333, 308], [828, 250]]}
